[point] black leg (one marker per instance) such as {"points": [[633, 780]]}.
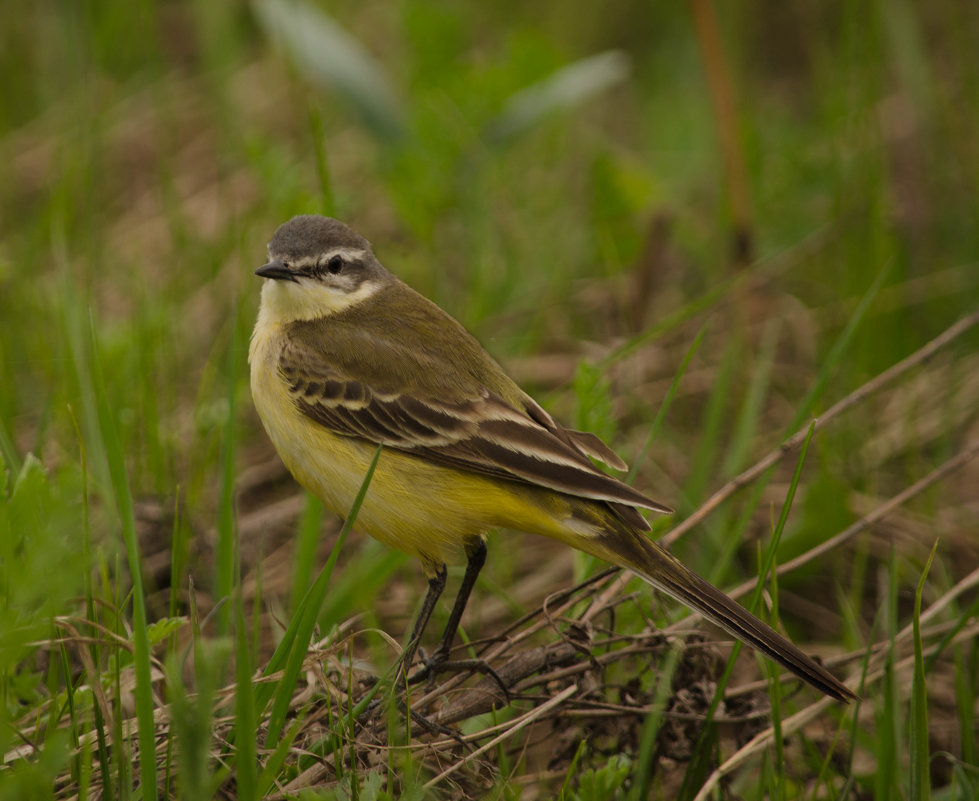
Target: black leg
{"points": [[476, 553], [477, 558], [435, 586]]}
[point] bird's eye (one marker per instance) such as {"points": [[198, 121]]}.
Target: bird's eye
{"points": [[334, 265]]}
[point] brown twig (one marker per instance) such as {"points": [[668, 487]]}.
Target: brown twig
{"points": [[865, 522], [741, 480], [487, 693], [762, 741], [518, 724]]}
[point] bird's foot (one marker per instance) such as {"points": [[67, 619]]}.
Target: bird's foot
{"points": [[439, 662]]}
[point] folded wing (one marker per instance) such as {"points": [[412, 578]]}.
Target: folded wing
{"points": [[478, 432]]}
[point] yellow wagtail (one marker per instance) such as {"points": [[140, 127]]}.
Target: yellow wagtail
{"points": [[345, 356]]}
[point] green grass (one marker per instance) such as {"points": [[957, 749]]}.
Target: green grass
{"points": [[558, 183]]}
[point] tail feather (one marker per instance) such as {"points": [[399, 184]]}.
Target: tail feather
{"points": [[662, 570]]}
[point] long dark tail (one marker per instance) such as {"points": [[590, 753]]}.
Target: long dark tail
{"points": [[661, 569]]}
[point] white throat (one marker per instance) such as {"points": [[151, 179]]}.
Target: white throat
{"points": [[286, 302]]}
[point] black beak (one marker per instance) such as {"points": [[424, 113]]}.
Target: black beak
{"points": [[277, 271]]}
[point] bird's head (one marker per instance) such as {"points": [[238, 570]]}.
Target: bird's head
{"points": [[317, 266]]}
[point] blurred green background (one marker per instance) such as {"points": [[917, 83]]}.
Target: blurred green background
{"points": [[585, 189]]}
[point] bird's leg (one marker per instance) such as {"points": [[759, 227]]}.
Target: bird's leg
{"points": [[435, 586], [440, 658], [476, 559]]}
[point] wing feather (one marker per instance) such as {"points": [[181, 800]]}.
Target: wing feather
{"points": [[479, 432]]}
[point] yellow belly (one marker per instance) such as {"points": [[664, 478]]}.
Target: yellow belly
{"points": [[412, 504]]}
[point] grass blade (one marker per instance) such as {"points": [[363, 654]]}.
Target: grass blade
{"points": [[708, 732], [667, 402], [291, 652], [246, 724], [887, 746], [124, 502], [224, 557], [783, 517], [307, 539], [919, 751], [646, 756], [837, 351]]}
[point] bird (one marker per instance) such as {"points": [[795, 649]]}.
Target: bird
{"points": [[345, 358]]}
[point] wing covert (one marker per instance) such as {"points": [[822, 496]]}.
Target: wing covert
{"points": [[476, 431]]}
